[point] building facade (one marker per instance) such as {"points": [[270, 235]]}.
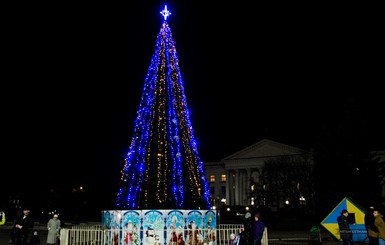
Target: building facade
{"points": [[235, 180]]}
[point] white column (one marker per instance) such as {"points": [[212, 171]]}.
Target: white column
{"points": [[248, 176], [237, 187], [228, 184]]}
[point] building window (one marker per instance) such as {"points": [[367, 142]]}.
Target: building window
{"points": [[212, 178], [212, 191], [223, 178], [223, 190]]}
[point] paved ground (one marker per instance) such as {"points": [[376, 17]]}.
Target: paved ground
{"points": [[276, 237], [5, 234]]}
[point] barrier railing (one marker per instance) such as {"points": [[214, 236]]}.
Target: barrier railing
{"points": [[96, 235]]}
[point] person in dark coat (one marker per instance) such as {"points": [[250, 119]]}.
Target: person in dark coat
{"points": [[23, 226], [344, 226], [371, 229], [259, 228], [246, 236], [35, 239], [19, 213]]}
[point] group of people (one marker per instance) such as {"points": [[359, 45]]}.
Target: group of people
{"points": [[23, 232], [251, 232], [374, 224]]}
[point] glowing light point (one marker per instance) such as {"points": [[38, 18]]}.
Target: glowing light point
{"points": [[165, 12]]}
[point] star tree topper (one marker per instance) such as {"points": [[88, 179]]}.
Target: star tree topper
{"points": [[165, 12]]}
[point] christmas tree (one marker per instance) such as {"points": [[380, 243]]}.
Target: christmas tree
{"points": [[163, 169]]}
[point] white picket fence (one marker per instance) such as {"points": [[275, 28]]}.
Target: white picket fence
{"points": [[96, 235]]}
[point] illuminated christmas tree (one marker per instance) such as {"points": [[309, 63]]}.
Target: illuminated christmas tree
{"points": [[163, 169]]}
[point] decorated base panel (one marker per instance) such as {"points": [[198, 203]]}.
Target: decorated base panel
{"points": [[159, 227]]}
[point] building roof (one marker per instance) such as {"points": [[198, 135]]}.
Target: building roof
{"points": [[265, 149]]}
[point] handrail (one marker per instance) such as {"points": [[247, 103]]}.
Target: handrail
{"points": [[96, 235]]}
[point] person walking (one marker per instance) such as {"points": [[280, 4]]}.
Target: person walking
{"points": [[259, 228], [344, 226], [53, 226], [23, 227], [371, 229], [380, 224]]}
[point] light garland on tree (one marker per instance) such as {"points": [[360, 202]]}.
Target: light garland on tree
{"points": [[162, 168]]}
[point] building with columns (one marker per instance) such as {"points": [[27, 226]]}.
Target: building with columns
{"points": [[234, 179]]}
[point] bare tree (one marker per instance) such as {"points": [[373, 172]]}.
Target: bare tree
{"points": [[288, 179]]}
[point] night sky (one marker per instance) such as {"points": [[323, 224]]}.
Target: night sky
{"points": [[72, 78]]}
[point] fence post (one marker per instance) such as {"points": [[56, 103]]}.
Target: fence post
{"points": [[265, 240], [64, 236]]}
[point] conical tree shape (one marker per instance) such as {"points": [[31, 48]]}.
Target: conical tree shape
{"points": [[163, 169]]}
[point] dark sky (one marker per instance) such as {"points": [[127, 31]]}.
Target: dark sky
{"points": [[72, 79]]}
